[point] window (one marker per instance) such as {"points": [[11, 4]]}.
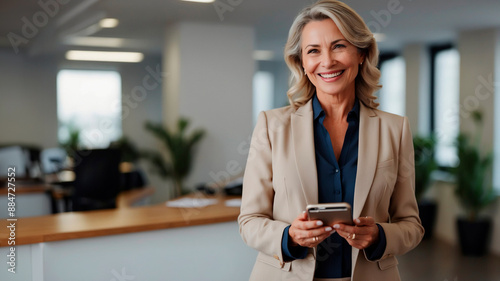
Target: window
{"points": [[263, 85], [89, 102], [445, 103], [392, 95]]}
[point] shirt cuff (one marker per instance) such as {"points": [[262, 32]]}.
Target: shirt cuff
{"points": [[375, 251], [291, 253]]}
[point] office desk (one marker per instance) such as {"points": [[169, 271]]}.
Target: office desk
{"points": [[41, 199], [27, 189], [32, 200], [149, 243]]}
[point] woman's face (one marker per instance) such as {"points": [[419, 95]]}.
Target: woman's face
{"points": [[330, 61]]}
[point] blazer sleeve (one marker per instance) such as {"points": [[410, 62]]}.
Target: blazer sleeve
{"points": [[257, 227], [404, 231]]}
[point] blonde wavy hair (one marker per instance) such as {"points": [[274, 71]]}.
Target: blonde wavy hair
{"points": [[354, 29]]}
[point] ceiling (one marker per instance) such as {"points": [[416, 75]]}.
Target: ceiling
{"points": [[142, 22]]}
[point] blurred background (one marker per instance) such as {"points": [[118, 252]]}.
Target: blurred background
{"points": [[100, 74]]}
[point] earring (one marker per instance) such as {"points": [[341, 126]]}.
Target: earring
{"points": [[361, 63]]}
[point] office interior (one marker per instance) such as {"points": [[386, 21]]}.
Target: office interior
{"points": [[218, 64]]}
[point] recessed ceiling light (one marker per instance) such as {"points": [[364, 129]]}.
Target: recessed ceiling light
{"points": [[108, 23], [200, 1], [109, 42], [104, 56]]}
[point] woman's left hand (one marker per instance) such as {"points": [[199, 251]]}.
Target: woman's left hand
{"points": [[363, 234]]}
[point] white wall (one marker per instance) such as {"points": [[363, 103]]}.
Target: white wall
{"points": [[212, 86], [496, 165], [28, 105]]}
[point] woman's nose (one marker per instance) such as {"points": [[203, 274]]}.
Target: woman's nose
{"points": [[328, 59]]}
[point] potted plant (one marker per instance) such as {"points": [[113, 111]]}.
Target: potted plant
{"points": [[180, 148], [473, 190], [425, 164], [72, 143]]}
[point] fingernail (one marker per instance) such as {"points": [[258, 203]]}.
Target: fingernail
{"points": [[332, 232], [328, 229], [303, 212], [336, 226], [319, 223], [357, 221]]}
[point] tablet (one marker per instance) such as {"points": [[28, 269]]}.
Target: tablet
{"points": [[330, 213]]}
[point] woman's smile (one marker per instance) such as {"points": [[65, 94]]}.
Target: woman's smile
{"points": [[331, 75]]}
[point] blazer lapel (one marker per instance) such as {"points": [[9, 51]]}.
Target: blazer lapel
{"points": [[369, 133], [303, 147], [369, 126]]}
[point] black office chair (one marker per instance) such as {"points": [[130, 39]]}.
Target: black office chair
{"points": [[97, 179]]}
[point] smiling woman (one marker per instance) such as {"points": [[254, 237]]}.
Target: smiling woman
{"points": [[331, 145]]}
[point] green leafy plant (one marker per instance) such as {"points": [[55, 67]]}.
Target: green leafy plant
{"points": [[180, 147], [72, 144], [425, 163], [472, 173]]}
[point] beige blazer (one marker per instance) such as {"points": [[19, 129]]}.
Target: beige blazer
{"points": [[280, 180]]}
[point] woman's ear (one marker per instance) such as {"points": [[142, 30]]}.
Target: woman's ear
{"points": [[362, 59], [362, 56]]}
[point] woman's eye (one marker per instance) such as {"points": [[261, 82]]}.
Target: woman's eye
{"points": [[338, 46], [311, 51]]}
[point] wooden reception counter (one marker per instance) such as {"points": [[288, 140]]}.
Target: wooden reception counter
{"points": [[75, 225], [155, 242]]}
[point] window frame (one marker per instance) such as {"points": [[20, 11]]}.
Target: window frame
{"points": [[433, 52]]}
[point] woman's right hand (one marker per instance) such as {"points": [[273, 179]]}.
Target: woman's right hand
{"points": [[308, 233]]}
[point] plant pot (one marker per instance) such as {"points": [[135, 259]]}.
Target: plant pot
{"points": [[427, 211], [474, 236]]}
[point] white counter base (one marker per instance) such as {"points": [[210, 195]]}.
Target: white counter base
{"points": [[196, 253]]}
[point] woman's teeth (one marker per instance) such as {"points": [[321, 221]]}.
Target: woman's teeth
{"points": [[331, 75]]}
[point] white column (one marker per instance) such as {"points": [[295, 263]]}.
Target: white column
{"points": [[477, 73], [496, 166], [417, 88], [478, 80], [209, 71]]}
